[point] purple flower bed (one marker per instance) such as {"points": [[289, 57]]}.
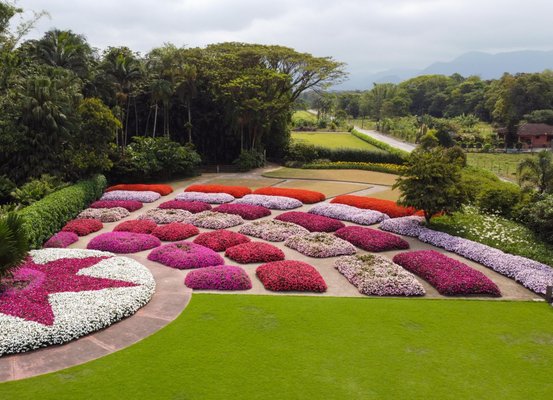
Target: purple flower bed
{"points": [[371, 239], [185, 255], [376, 275], [192, 206], [215, 220], [61, 240], [216, 198], [348, 213], [220, 277], [246, 211], [129, 205], [272, 202], [449, 276], [272, 230], [166, 216], [143, 197], [320, 245], [104, 214], [311, 222], [123, 242]]}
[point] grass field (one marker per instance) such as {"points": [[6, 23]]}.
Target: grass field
{"points": [[269, 347], [504, 165], [332, 140], [305, 115], [344, 175]]}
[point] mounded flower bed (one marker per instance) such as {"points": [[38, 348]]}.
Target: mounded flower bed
{"points": [[221, 239], [166, 216], [246, 211], [348, 213], [449, 276], [254, 252], [371, 239], [61, 240], [376, 275], [136, 226], [220, 277], [286, 276], [272, 202], [272, 230], [68, 293], [215, 220], [192, 206], [305, 196], [104, 214], [235, 191], [163, 190], [123, 242], [311, 222], [143, 197], [83, 226], [214, 198], [175, 231], [387, 207], [129, 205], [185, 255], [320, 245]]}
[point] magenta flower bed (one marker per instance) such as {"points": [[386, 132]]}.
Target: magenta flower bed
{"points": [[286, 276], [61, 240], [123, 242], [185, 255], [136, 226], [192, 206], [311, 222], [246, 211], [83, 226], [129, 205], [450, 277], [371, 239], [221, 239], [254, 252], [220, 277], [175, 231]]}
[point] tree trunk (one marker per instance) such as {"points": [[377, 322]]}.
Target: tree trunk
{"points": [[189, 126], [155, 122], [127, 121], [427, 216]]}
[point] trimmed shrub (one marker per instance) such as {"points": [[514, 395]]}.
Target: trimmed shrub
{"points": [[498, 198]]}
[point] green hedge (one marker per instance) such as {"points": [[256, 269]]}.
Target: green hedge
{"points": [[47, 216], [308, 153], [376, 167], [381, 145]]}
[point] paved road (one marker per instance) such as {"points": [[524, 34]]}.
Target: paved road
{"points": [[387, 139]]}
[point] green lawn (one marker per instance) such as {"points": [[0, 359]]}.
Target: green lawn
{"points": [[332, 140], [305, 115], [273, 347], [504, 165]]}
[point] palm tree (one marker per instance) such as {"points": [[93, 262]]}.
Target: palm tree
{"points": [[537, 172], [161, 90], [186, 90], [14, 244]]}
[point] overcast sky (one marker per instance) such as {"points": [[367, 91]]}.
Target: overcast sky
{"points": [[369, 35]]}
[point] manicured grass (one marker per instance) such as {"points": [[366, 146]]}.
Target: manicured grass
{"points": [[502, 164], [305, 115], [269, 347], [390, 194], [332, 140], [349, 175], [330, 189], [252, 183]]}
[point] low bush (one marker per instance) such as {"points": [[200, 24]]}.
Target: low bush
{"points": [[14, 244], [377, 167], [499, 198], [37, 189], [538, 216], [249, 159], [307, 153]]}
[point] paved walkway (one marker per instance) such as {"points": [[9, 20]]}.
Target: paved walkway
{"points": [[409, 147]]}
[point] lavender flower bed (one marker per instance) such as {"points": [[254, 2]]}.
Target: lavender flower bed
{"points": [[185, 255], [348, 213], [531, 274], [123, 242], [143, 197], [376, 275], [272, 230], [220, 277], [311, 222], [272, 202], [215, 220], [216, 198], [320, 245], [166, 216], [104, 214], [61, 240]]}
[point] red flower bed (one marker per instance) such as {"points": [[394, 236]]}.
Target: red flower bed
{"points": [[83, 226], [385, 206], [192, 206], [305, 196], [175, 231], [253, 252], [311, 222], [221, 239], [371, 239], [129, 205], [163, 190], [136, 226], [246, 211], [286, 276], [236, 191]]}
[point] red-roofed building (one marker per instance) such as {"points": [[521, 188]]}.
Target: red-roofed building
{"points": [[536, 136]]}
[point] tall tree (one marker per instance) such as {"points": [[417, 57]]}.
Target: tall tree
{"points": [[537, 172]]}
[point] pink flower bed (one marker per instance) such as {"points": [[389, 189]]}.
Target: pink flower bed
{"points": [[83, 226], [311, 222], [136, 226], [220, 277], [254, 252], [348, 213], [371, 239], [272, 230], [123, 242], [192, 206], [141, 196], [104, 214], [215, 220], [286, 276], [175, 231], [166, 216], [129, 205], [320, 245], [449, 276], [272, 202], [221, 239], [246, 211], [185, 255], [61, 240], [216, 198]]}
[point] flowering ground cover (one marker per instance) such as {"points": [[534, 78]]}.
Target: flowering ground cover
{"points": [[272, 202], [371, 239], [305, 196], [221, 239], [166, 215], [287, 276], [235, 191], [192, 206], [348, 213], [246, 211], [163, 190], [136, 226], [143, 197], [320, 245], [104, 214], [175, 231], [123, 242], [61, 240], [215, 220], [219, 277], [83, 226], [130, 205], [185, 255], [387, 207], [375, 275], [254, 252], [311, 222], [449, 276], [214, 198], [67, 293], [272, 230]]}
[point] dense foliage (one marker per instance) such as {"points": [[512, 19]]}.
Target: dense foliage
{"points": [[14, 242]]}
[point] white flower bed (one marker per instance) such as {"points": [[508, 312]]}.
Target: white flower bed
{"points": [[272, 202], [166, 215], [272, 230], [214, 220], [348, 213], [215, 198], [105, 214], [142, 196]]}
